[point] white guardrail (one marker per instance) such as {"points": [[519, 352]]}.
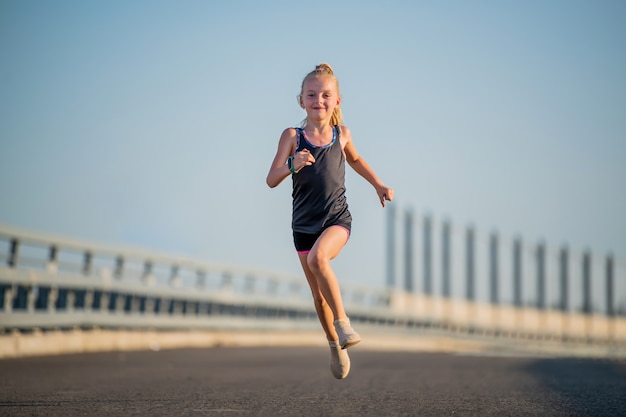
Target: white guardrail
{"points": [[49, 282], [54, 282]]}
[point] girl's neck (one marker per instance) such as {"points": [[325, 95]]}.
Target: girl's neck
{"points": [[317, 128], [318, 134]]}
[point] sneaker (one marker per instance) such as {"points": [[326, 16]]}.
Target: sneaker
{"points": [[347, 336], [339, 361]]}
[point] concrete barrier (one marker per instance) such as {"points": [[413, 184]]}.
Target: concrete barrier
{"points": [[61, 342]]}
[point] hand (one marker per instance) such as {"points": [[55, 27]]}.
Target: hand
{"points": [[302, 159], [384, 193]]}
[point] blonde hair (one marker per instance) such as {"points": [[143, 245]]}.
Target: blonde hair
{"points": [[324, 70]]}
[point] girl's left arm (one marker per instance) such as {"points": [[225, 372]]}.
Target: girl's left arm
{"points": [[363, 169]]}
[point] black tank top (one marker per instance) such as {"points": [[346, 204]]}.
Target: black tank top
{"points": [[319, 199]]}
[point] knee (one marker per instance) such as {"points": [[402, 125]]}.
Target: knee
{"points": [[317, 261]]}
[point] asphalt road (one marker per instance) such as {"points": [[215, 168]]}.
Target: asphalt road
{"points": [[297, 382]]}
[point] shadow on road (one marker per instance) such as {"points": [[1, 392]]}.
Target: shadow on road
{"points": [[584, 386]]}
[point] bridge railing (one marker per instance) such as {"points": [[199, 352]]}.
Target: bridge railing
{"points": [[457, 276], [48, 282], [54, 282]]}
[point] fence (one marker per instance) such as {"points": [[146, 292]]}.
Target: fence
{"points": [[48, 282], [458, 275], [52, 282]]}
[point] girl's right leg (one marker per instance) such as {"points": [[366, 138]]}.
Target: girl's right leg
{"points": [[324, 313]]}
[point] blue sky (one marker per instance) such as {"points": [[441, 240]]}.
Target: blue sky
{"points": [[153, 123]]}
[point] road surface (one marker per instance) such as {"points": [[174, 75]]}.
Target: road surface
{"points": [[291, 381]]}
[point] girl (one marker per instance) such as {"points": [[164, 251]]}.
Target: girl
{"points": [[315, 155]]}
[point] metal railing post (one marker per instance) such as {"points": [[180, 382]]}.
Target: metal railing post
{"points": [[227, 281], [517, 272], [200, 279], [564, 279], [408, 253], [541, 276], [87, 263], [427, 261], [470, 293], [564, 290], [119, 267], [493, 269], [14, 249], [610, 299], [147, 276], [391, 247], [587, 307], [587, 303], [610, 287], [446, 288], [53, 260], [174, 276]]}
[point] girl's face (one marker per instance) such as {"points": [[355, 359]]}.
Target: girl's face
{"points": [[319, 97]]}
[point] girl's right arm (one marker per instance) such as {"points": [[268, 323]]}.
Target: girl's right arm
{"points": [[286, 147]]}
